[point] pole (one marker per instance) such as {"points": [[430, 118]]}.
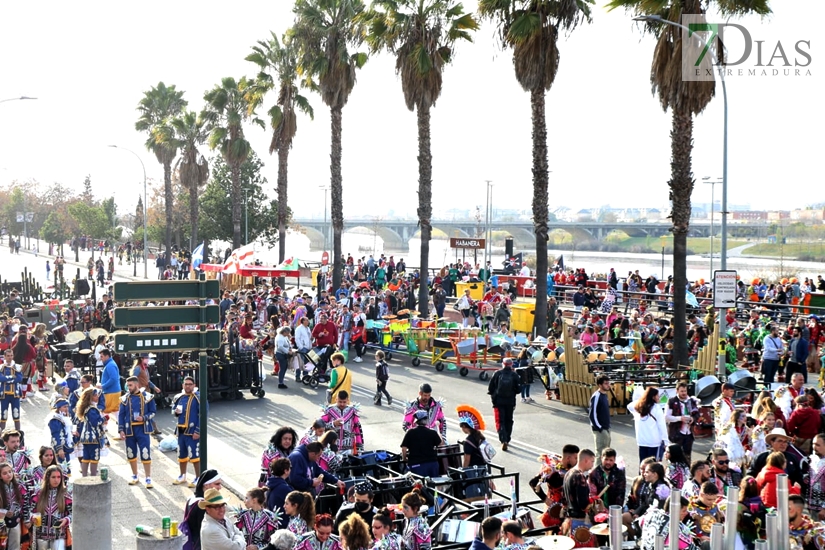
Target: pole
{"points": [[486, 224], [771, 528], [783, 528], [615, 524], [731, 517], [246, 215], [145, 236], [203, 383], [675, 518], [25, 222], [717, 537], [712, 199], [324, 189]]}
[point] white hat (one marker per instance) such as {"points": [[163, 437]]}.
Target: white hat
{"points": [[776, 432]]}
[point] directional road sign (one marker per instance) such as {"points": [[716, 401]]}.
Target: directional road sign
{"points": [[126, 317], [167, 290], [167, 341]]}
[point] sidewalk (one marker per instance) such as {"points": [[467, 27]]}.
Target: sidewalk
{"points": [[131, 505]]}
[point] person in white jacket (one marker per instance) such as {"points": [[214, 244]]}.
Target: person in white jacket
{"points": [[216, 532], [649, 418], [303, 336]]}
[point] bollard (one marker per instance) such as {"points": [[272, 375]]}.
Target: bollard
{"points": [[731, 517], [760, 544], [659, 542], [771, 527], [92, 514], [615, 520], [675, 518], [784, 527], [156, 542], [717, 537]]}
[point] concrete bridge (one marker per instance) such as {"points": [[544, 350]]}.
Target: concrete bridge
{"points": [[397, 233]]}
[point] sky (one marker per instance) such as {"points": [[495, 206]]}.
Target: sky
{"points": [[88, 63]]}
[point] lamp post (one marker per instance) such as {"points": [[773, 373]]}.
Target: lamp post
{"points": [[712, 183], [325, 189], [145, 241], [487, 230], [21, 98], [723, 255], [246, 214], [663, 239]]}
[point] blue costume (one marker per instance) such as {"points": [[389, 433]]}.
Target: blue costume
{"points": [[137, 433], [91, 435], [188, 424], [10, 378], [73, 381], [60, 429]]}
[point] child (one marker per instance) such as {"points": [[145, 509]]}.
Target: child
{"points": [[704, 509], [382, 375], [256, 522]]}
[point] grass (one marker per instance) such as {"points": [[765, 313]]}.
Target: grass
{"points": [[695, 245], [806, 251]]}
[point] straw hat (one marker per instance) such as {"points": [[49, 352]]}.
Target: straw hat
{"points": [[776, 432], [212, 497]]}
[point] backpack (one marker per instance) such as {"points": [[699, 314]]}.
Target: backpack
{"points": [[508, 385], [485, 449]]}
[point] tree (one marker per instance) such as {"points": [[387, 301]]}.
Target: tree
{"points": [[422, 36], [87, 196], [324, 32], [226, 110], [139, 213], [531, 28], [157, 108], [278, 69], [54, 230], [215, 213], [92, 220], [192, 166], [685, 99]]}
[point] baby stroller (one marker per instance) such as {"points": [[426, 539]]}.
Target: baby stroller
{"points": [[315, 366]]}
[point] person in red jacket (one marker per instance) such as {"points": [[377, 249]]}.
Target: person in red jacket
{"points": [[767, 479], [325, 335], [803, 424]]}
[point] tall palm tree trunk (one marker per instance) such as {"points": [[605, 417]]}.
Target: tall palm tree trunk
{"points": [[336, 191], [236, 205], [425, 204], [283, 172], [193, 217], [681, 187], [540, 214], [168, 199]]}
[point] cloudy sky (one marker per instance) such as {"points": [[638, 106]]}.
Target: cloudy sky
{"points": [[89, 62]]}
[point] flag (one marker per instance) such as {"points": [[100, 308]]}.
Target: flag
{"points": [[560, 262], [197, 256], [239, 258], [517, 261]]}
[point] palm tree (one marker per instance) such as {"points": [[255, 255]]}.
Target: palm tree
{"points": [[324, 32], [192, 166], [157, 108], [422, 36], [685, 99], [278, 64], [226, 110], [531, 28]]}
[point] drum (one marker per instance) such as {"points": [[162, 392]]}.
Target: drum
{"points": [[555, 542], [584, 538], [551, 356], [60, 332]]}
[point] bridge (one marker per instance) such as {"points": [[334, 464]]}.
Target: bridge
{"points": [[397, 233]]}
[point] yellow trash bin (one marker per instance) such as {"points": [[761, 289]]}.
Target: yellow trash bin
{"points": [[476, 290], [521, 317]]}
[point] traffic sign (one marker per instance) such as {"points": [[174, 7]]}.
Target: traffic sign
{"points": [[167, 341], [126, 317], [724, 289], [167, 290]]}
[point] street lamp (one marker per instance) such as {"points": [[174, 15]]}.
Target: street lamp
{"points": [[707, 181], [21, 98], [325, 189], [729, 537], [145, 245], [488, 232], [246, 214]]}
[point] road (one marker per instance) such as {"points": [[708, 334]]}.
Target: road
{"points": [[239, 430]]}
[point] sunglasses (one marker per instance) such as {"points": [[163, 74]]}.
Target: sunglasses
{"points": [[723, 462], [218, 506]]}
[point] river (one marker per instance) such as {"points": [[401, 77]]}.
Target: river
{"points": [[698, 266]]}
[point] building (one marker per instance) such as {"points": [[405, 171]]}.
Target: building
{"points": [[749, 215]]}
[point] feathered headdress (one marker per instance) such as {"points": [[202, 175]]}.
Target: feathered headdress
{"points": [[470, 416]]}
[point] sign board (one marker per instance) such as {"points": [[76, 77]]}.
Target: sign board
{"points": [[458, 242], [167, 290], [325, 258], [183, 340], [165, 316], [724, 289]]}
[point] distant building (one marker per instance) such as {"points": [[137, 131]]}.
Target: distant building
{"points": [[749, 215], [777, 215], [809, 215]]}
